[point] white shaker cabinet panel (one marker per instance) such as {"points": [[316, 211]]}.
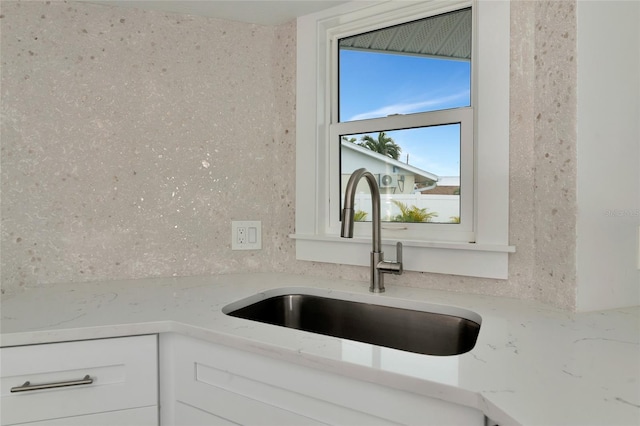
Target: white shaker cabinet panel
{"points": [[248, 389], [76, 379]]}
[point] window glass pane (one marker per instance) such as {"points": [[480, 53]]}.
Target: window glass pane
{"points": [[418, 171], [419, 66]]}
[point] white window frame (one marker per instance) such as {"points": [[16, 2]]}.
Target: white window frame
{"points": [[317, 236]]}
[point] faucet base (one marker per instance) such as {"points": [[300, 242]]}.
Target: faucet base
{"points": [[377, 277]]}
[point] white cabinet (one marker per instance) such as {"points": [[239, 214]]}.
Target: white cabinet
{"points": [[110, 382], [91, 382], [210, 384]]}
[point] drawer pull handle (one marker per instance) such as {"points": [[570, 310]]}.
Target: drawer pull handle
{"points": [[27, 386]]}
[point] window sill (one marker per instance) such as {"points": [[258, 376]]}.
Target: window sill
{"points": [[466, 259]]}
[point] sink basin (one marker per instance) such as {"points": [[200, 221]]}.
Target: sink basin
{"points": [[412, 330]]}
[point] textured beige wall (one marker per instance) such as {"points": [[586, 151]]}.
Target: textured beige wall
{"points": [[555, 151], [131, 139]]}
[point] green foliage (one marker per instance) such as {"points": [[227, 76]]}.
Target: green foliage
{"points": [[359, 216], [455, 219], [384, 145], [413, 213]]}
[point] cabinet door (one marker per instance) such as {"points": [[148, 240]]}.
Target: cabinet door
{"points": [[121, 372], [245, 388]]}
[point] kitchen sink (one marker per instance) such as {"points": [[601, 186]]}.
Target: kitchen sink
{"points": [[408, 329]]}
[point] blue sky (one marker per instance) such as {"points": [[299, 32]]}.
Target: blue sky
{"points": [[379, 84]]}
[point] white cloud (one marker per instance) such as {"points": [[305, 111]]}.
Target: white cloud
{"points": [[409, 108]]}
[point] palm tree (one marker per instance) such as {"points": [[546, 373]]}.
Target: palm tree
{"points": [[383, 145]]}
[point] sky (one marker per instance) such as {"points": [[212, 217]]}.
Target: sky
{"points": [[379, 84]]}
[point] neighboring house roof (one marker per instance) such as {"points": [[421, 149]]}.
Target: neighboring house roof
{"points": [[447, 185], [390, 161], [442, 190]]}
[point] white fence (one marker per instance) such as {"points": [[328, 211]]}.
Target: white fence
{"points": [[447, 207]]}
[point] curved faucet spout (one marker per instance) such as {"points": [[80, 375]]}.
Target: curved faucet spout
{"points": [[349, 201], [378, 265]]}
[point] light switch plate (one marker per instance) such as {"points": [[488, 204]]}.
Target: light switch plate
{"points": [[246, 235]]}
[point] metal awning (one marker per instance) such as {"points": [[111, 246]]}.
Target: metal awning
{"points": [[447, 35]]}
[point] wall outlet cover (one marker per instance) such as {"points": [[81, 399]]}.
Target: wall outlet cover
{"points": [[246, 235]]}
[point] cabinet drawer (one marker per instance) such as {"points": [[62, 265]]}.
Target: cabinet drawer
{"points": [[122, 374]]}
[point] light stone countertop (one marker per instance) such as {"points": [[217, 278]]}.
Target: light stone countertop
{"points": [[532, 364]]}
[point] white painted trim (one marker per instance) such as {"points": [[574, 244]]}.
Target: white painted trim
{"points": [[313, 165], [492, 122], [442, 258], [608, 135]]}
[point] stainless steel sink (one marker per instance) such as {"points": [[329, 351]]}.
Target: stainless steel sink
{"points": [[419, 331]]}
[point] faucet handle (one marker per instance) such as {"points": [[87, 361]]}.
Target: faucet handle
{"points": [[392, 267], [399, 257]]}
